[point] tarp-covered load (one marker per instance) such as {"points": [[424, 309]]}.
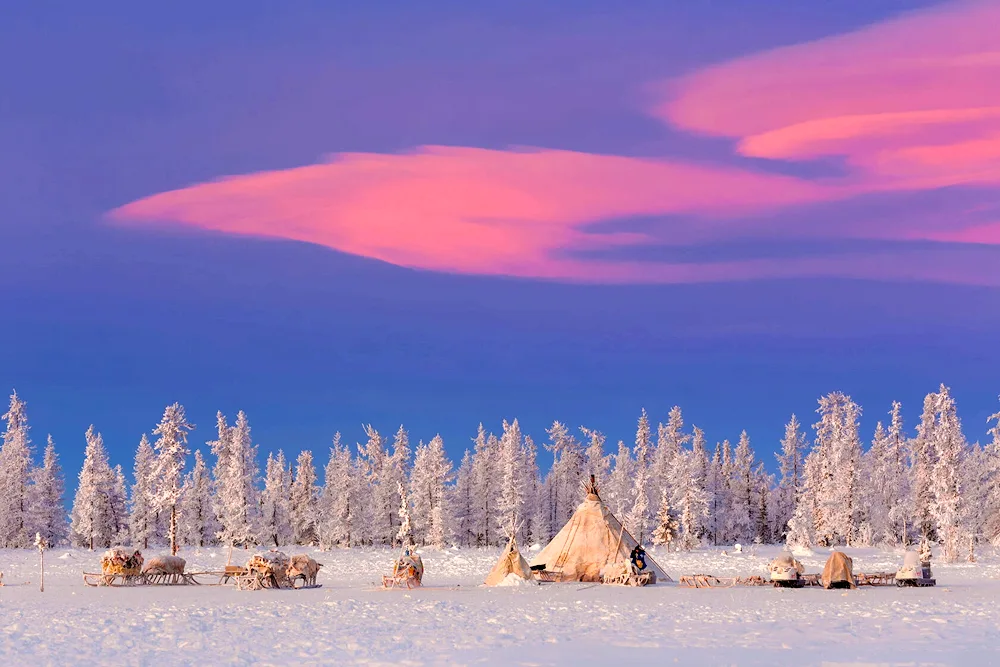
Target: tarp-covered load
{"points": [[915, 571], [592, 541], [838, 571], [511, 562], [119, 560], [785, 570]]}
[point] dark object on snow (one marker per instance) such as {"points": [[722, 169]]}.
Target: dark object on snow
{"points": [[638, 558], [537, 568]]}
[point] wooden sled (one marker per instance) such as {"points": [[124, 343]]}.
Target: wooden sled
{"points": [[119, 580], [711, 581], [875, 578]]}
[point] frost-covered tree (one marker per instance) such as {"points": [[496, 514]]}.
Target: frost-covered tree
{"points": [[461, 502], [397, 471], [485, 487], [197, 515], [511, 501], [404, 535], [428, 492], [93, 513], [617, 493], [691, 499], [837, 451], [536, 526], [15, 468], [338, 503], [236, 496], [947, 508], [275, 520], [665, 531], [304, 500], [380, 505], [143, 522], [886, 493], [596, 463], [47, 510], [790, 464], [742, 508], [670, 441], [922, 462], [637, 518], [168, 467], [566, 475]]}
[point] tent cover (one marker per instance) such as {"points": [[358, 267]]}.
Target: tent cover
{"points": [[591, 540]]}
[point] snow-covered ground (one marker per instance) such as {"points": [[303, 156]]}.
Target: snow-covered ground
{"points": [[453, 620]]}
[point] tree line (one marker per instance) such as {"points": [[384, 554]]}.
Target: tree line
{"points": [[670, 488]]}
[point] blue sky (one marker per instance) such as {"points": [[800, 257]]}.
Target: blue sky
{"points": [[106, 323]]}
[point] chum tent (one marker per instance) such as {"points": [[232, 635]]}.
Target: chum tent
{"points": [[511, 562], [591, 540]]}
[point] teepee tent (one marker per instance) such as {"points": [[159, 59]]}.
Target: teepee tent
{"points": [[511, 562], [591, 540]]}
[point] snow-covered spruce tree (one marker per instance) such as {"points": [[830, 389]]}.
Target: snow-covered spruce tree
{"points": [[897, 481], [637, 519], [618, 492], [670, 441], [701, 468], [485, 487], [764, 529], [304, 500], [47, 509], [404, 536], [461, 502], [790, 465], [727, 521], [168, 467], [975, 482], [742, 507], [690, 499], [143, 524], [566, 474], [839, 444], [511, 501], [596, 463], [536, 527], [946, 476], [275, 520], [15, 467], [237, 503], [93, 515], [665, 532], [197, 514], [381, 503], [716, 495], [338, 504], [922, 462], [428, 492], [397, 470], [119, 505]]}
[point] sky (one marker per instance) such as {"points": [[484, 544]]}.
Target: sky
{"points": [[437, 214]]}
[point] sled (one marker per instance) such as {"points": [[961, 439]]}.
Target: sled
{"points": [[875, 578], [120, 580], [711, 581]]}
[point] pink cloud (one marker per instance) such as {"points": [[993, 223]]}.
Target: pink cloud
{"points": [[473, 210], [909, 104]]}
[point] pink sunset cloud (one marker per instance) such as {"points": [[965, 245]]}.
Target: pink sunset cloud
{"points": [[910, 104]]}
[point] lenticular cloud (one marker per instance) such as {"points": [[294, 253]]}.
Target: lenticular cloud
{"points": [[907, 105]]}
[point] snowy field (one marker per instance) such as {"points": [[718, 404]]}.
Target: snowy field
{"points": [[453, 620]]}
